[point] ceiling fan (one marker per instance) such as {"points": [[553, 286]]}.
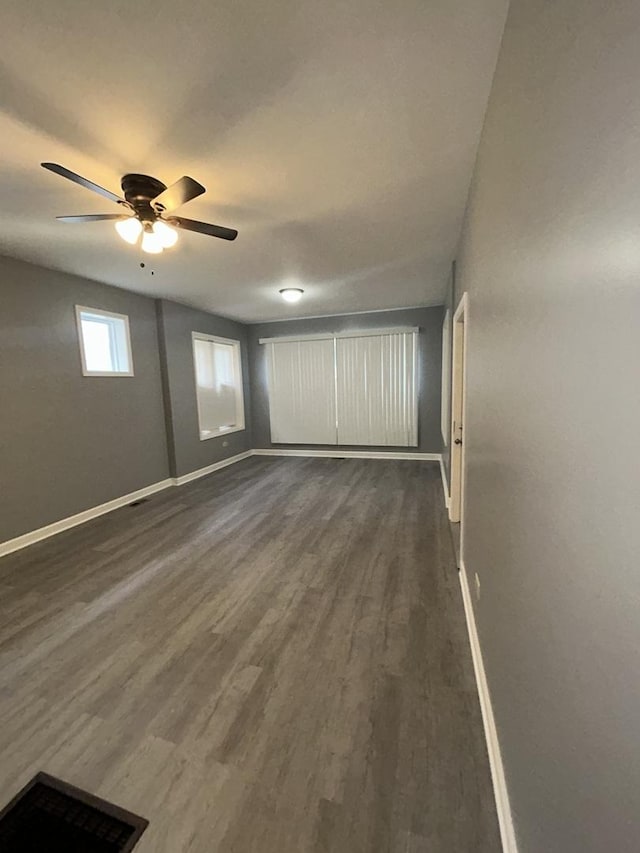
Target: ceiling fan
{"points": [[147, 201]]}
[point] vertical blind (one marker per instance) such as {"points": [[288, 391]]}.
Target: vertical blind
{"points": [[302, 396], [376, 390], [355, 389]]}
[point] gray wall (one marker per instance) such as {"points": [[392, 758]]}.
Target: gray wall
{"points": [[430, 367], [69, 442], [551, 260], [187, 452]]}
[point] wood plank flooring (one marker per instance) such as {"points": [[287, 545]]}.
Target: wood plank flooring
{"points": [[271, 659]]}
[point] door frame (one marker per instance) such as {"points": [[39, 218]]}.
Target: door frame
{"points": [[459, 360]]}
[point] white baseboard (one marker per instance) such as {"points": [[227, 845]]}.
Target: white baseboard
{"points": [[445, 484], [79, 518], [349, 454], [500, 791], [209, 469], [41, 533], [74, 520]]}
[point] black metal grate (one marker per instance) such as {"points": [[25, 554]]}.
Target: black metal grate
{"points": [[50, 815]]}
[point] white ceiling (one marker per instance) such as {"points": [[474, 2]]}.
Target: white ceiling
{"points": [[338, 137]]}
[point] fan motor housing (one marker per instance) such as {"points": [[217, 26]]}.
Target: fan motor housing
{"points": [[139, 190]]}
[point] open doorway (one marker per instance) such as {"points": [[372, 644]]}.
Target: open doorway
{"points": [[458, 374]]}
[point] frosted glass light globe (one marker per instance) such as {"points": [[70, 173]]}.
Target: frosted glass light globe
{"points": [[129, 229]]}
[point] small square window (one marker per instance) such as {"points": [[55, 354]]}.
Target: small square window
{"points": [[105, 345]]}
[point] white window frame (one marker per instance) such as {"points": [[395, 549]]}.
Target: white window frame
{"points": [[110, 315], [237, 355]]}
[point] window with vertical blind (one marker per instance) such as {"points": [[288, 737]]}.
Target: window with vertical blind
{"points": [[302, 396], [376, 390], [219, 392], [358, 388]]}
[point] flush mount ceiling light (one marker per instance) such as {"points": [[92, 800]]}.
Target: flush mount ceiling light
{"points": [[147, 201], [291, 294]]}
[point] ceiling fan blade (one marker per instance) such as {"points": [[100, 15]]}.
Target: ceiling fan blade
{"points": [[204, 228], [91, 217], [83, 182], [179, 193]]}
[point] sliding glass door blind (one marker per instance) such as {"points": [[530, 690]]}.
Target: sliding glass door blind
{"points": [[376, 390], [302, 392], [348, 389]]}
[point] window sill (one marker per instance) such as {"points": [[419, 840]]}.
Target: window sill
{"points": [[220, 433], [106, 373]]}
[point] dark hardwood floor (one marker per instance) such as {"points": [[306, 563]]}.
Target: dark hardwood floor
{"points": [[270, 659]]}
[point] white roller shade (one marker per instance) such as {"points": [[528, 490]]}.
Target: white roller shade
{"points": [[302, 392], [376, 390], [218, 385]]}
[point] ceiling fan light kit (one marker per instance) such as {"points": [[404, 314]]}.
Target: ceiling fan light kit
{"points": [[167, 235], [150, 241], [147, 200], [129, 229]]}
